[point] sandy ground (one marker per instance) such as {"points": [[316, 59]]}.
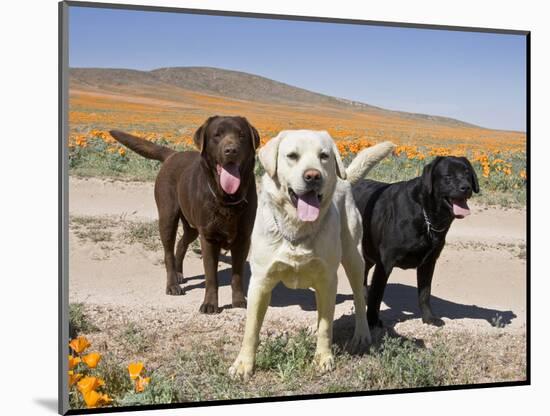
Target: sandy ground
{"points": [[481, 274]]}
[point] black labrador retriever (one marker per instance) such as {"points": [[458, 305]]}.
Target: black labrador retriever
{"points": [[405, 224]]}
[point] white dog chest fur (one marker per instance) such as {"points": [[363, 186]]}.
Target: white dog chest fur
{"points": [[297, 266], [299, 275]]}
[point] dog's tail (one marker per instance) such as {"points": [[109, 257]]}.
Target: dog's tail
{"points": [[366, 159], [142, 147]]}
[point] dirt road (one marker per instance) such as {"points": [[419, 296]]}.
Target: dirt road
{"points": [[479, 278]]}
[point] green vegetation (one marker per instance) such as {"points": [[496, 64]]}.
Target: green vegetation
{"points": [[78, 320], [501, 176], [99, 159], [145, 233], [195, 368], [135, 338]]}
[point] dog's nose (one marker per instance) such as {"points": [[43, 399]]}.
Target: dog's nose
{"points": [[312, 176], [466, 188], [230, 151]]}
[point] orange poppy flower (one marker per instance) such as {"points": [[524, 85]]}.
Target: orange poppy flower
{"points": [[73, 378], [134, 369], [73, 361], [105, 399], [92, 359], [95, 399], [91, 398], [79, 344], [141, 383], [523, 174], [88, 384]]}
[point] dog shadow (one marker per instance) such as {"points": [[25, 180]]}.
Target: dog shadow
{"points": [[344, 327], [401, 300], [305, 298], [224, 279], [281, 296], [402, 303]]}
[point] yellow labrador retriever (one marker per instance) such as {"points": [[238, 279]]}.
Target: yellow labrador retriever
{"points": [[306, 225]]}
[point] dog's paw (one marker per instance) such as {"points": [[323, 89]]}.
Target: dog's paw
{"points": [[209, 309], [242, 369], [360, 342], [180, 278], [376, 324], [239, 303], [175, 290], [324, 361], [433, 320]]}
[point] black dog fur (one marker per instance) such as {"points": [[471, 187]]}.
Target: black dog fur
{"points": [[396, 232]]}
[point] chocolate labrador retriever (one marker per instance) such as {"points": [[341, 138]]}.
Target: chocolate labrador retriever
{"points": [[405, 224], [213, 193]]}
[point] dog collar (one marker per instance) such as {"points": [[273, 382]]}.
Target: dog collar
{"points": [[293, 241], [225, 202], [430, 226]]}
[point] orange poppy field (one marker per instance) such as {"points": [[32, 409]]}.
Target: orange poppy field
{"points": [[498, 156]]}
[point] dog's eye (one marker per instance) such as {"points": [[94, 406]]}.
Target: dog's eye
{"points": [[324, 156], [292, 156]]}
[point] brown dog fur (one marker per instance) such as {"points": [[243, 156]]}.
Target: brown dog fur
{"points": [[187, 189]]}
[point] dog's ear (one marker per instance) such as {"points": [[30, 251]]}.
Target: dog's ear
{"points": [[254, 135], [427, 173], [269, 153], [199, 138], [340, 169], [475, 182]]}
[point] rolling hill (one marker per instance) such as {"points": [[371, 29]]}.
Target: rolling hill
{"points": [[173, 102], [164, 82]]}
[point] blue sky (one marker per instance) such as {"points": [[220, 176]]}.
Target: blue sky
{"points": [[475, 77]]}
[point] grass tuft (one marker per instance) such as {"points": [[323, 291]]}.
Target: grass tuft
{"points": [[94, 229], [78, 321], [135, 338], [402, 363], [201, 374], [288, 357], [145, 233], [160, 390]]}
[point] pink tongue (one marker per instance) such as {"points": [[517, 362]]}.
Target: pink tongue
{"points": [[308, 206], [230, 178], [460, 208]]}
